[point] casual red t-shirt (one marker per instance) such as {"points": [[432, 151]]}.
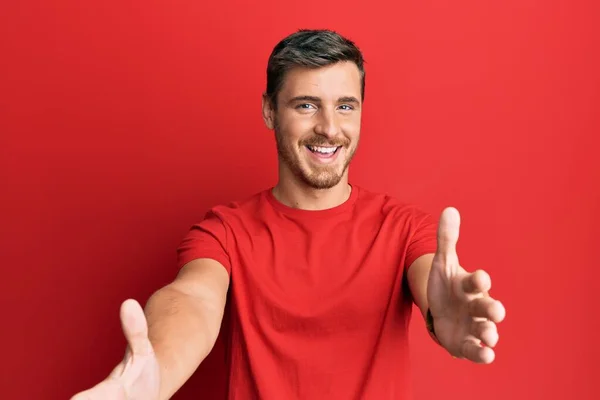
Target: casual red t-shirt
{"points": [[319, 304]]}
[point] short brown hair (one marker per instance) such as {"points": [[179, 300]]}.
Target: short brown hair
{"points": [[312, 49]]}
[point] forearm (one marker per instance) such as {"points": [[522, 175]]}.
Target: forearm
{"points": [[182, 329], [418, 276]]}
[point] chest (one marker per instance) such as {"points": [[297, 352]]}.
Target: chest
{"points": [[298, 276]]}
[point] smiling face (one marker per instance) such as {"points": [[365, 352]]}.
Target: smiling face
{"points": [[317, 123]]}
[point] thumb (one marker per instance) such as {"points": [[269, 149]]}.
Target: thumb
{"points": [[448, 232], [135, 327]]}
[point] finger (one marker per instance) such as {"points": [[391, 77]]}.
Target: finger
{"points": [[135, 327], [486, 331], [473, 351], [488, 308], [476, 283], [448, 232]]}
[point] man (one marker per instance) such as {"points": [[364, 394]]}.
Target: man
{"points": [[320, 274]]}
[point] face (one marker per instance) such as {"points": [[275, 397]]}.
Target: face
{"points": [[317, 123]]}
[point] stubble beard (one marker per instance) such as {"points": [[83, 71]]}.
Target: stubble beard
{"points": [[322, 177]]}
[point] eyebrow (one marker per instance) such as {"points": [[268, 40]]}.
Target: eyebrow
{"points": [[344, 99]]}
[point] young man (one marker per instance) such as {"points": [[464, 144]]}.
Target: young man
{"points": [[320, 274]]}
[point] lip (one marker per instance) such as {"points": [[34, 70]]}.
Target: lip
{"points": [[323, 159]]}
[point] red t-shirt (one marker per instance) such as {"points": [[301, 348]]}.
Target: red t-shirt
{"points": [[319, 304]]}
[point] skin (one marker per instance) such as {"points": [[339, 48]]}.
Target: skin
{"points": [[168, 340]]}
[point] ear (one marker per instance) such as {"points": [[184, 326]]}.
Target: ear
{"points": [[268, 112]]}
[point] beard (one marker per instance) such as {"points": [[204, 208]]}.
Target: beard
{"points": [[316, 177]]}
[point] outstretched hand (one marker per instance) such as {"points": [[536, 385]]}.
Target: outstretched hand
{"points": [[464, 315], [137, 376]]}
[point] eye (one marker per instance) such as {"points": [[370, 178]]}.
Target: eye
{"points": [[304, 106], [346, 107]]}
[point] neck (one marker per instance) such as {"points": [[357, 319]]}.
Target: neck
{"points": [[299, 195]]}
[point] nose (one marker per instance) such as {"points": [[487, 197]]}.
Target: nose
{"points": [[327, 124]]}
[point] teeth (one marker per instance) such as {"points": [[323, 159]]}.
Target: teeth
{"points": [[323, 150]]}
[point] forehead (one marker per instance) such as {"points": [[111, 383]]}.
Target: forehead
{"points": [[329, 82]]}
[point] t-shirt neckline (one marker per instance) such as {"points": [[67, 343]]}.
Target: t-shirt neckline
{"points": [[345, 206]]}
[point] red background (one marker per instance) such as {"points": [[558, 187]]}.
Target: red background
{"points": [[122, 122]]}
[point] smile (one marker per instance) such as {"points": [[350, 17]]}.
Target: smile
{"points": [[328, 150], [323, 155]]}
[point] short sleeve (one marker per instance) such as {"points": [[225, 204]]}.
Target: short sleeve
{"points": [[206, 239], [423, 238]]}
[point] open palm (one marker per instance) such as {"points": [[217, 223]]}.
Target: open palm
{"points": [[137, 376], [464, 315]]}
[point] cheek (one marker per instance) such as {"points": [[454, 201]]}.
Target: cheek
{"points": [[295, 130], [351, 128]]}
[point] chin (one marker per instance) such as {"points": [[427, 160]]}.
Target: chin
{"points": [[322, 185], [322, 180]]}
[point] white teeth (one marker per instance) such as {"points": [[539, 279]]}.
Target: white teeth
{"points": [[323, 150]]}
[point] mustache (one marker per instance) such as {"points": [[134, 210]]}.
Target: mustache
{"points": [[323, 142]]}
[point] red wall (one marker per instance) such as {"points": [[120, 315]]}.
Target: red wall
{"points": [[122, 122]]}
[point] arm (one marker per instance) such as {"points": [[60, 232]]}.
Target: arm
{"points": [[418, 275], [418, 278], [184, 320]]}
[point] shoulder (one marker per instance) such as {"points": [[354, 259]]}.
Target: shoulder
{"points": [[243, 208], [392, 213], [389, 206], [403, 221]]}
